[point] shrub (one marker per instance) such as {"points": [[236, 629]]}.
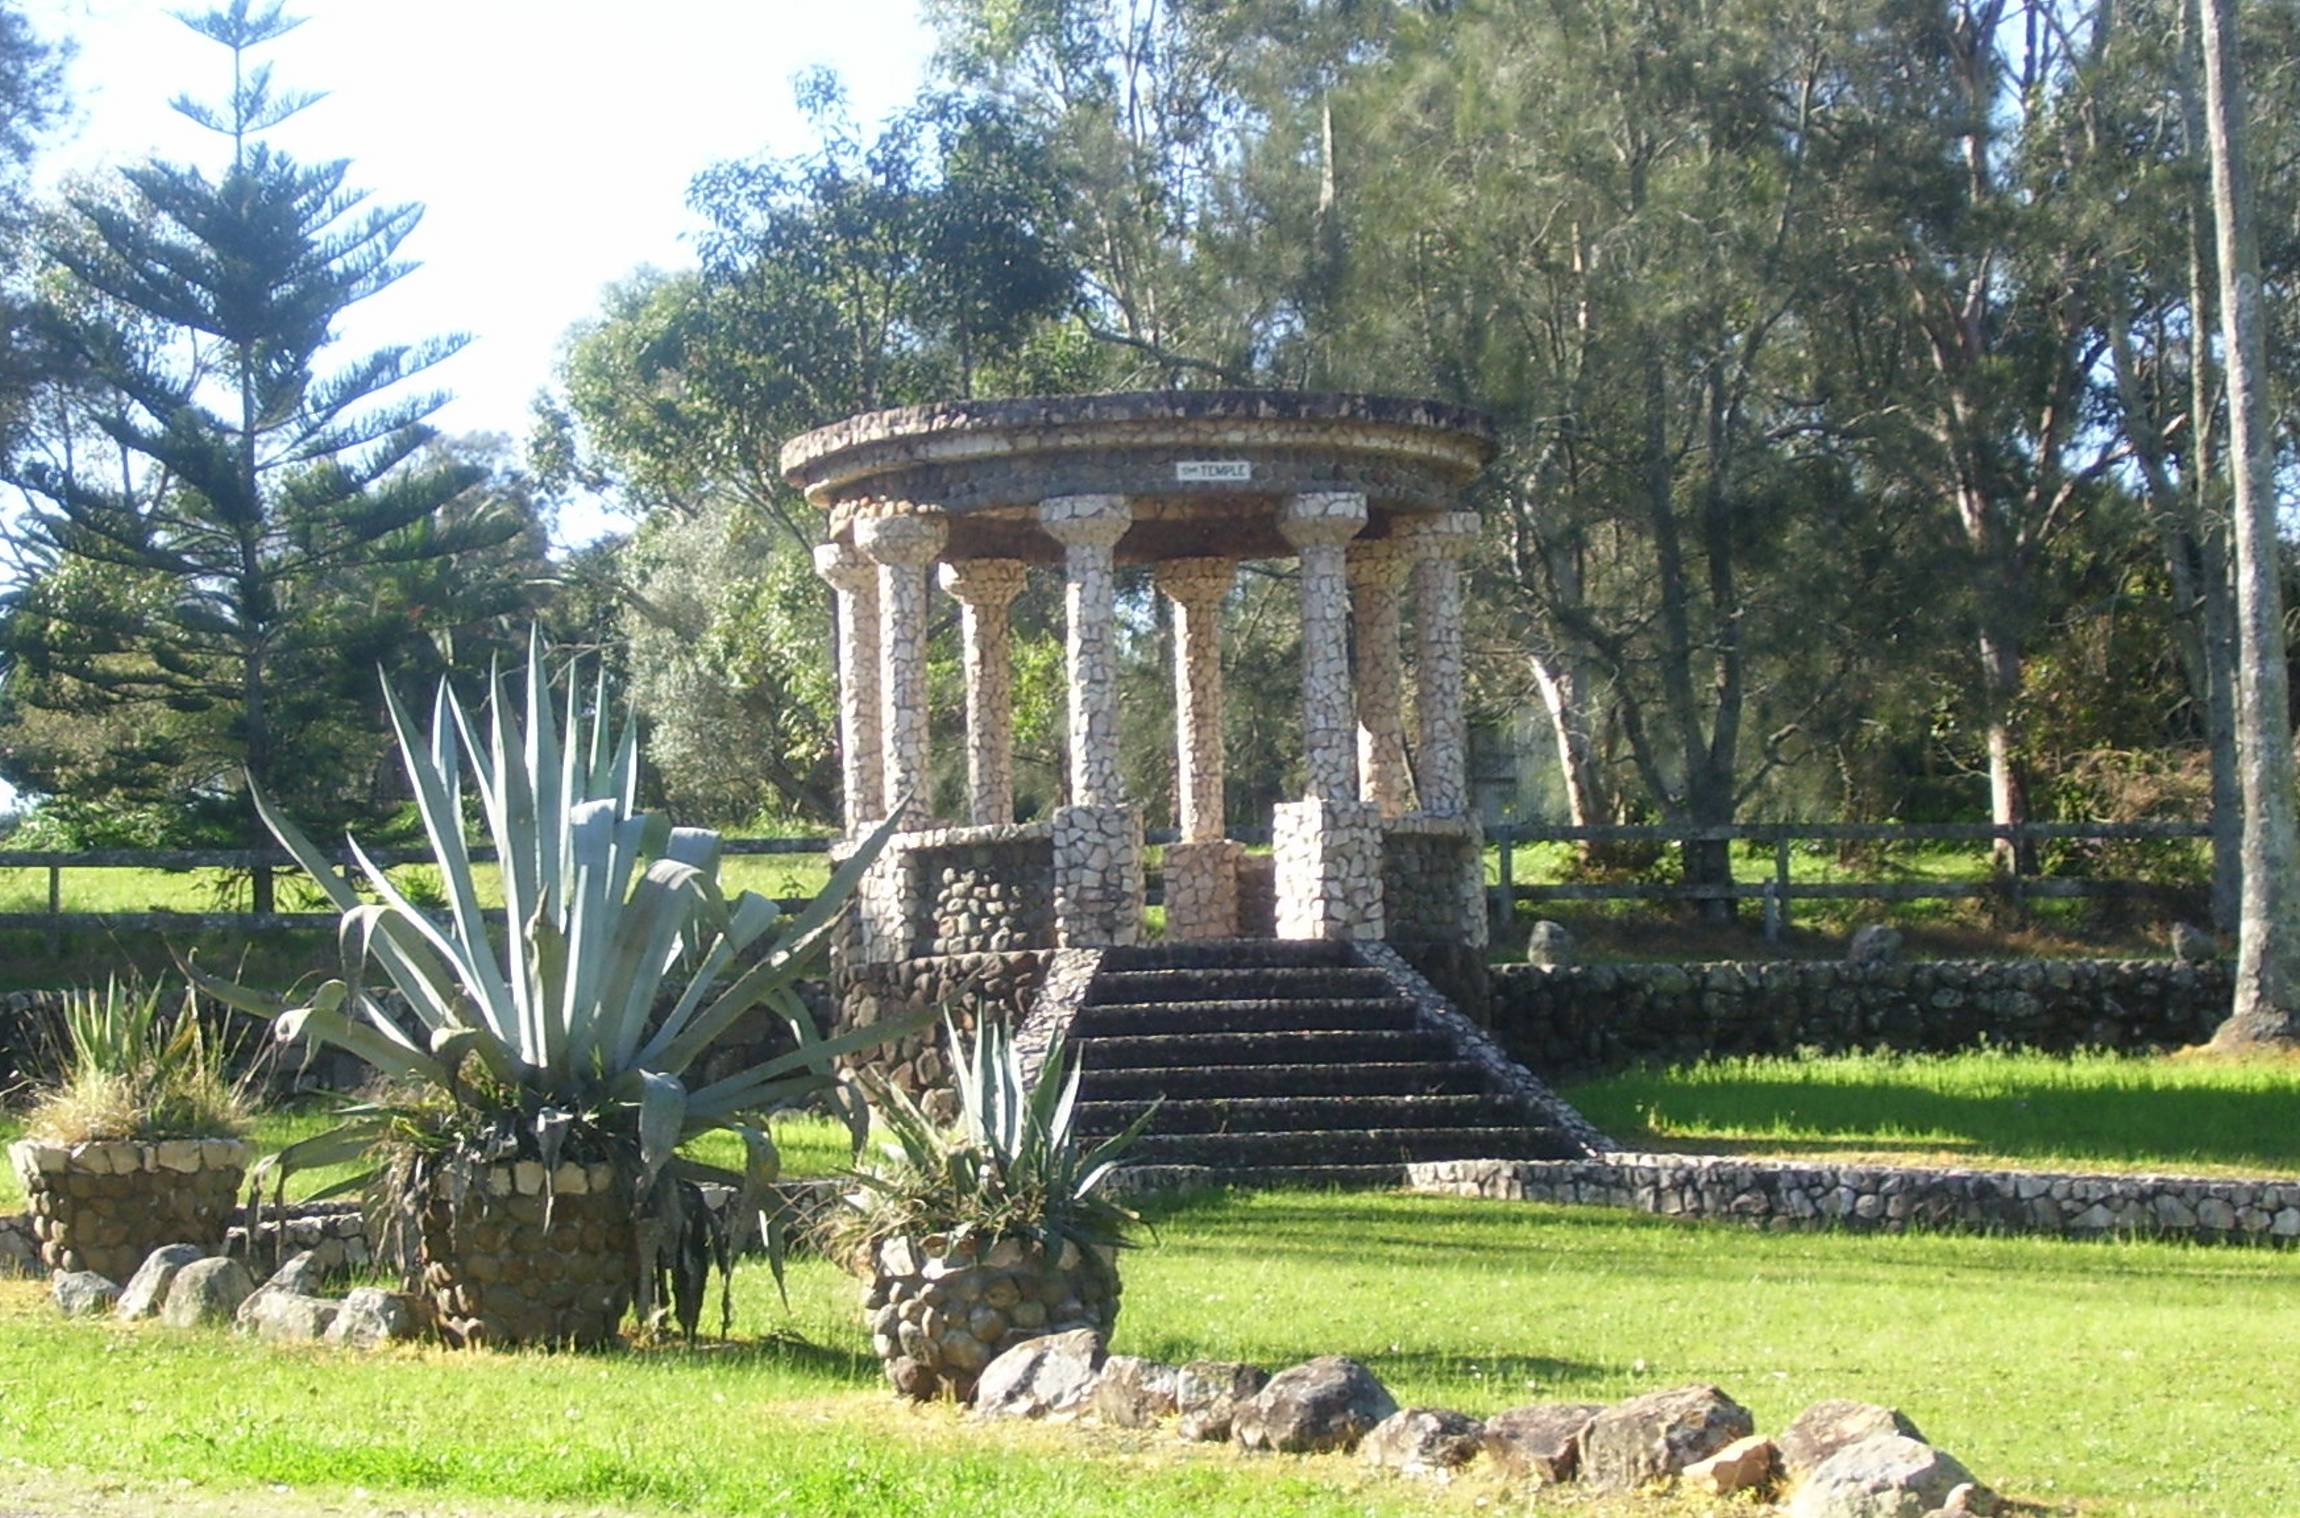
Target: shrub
{"points": [[126, 1070]]}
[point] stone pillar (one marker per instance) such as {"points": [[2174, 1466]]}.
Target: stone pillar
{"points": [[1437, 544], [1377, 569], [904, 543], [1202, 869], [1318, 526], [1098, 837], [985, 589], [855, 581], [1328, 846]]}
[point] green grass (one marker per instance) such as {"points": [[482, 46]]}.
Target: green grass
{"points": [[810, 1146], [2124, 1378], [1986, 1107]]}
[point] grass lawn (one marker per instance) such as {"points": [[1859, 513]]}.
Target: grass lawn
{"points": [[1985, 1107], [2098, 1378]]}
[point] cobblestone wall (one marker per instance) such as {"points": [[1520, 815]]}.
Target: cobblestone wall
{"points": [[989, 897], [1585, 1018], [971, 987]]}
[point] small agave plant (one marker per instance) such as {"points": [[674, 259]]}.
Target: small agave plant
{"points": [[538, 1096], [993, 1230]]}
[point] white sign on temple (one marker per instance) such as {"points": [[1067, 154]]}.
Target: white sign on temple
{"points": [[1223, 471]]}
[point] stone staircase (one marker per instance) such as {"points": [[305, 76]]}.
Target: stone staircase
{"points": [[1293, 1061]]}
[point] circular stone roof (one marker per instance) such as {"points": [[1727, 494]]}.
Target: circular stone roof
{"points": [[1204, 470]]}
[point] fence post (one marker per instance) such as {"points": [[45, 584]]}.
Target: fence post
{"points": [[1505, 909], [1777, 902], [55, 935]]}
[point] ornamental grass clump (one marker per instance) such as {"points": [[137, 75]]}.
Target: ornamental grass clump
{"points": [[125, 1068], [995, 1229], [538, 1092]]}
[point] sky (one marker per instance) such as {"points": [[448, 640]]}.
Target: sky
{"points": [[550, 141]]}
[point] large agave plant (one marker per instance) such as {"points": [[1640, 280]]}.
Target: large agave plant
{"points": [[570, 1029], [1012, 1164]]}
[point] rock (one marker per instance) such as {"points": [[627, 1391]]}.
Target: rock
{"points": [[80, 1293], [1886, 1476], [148, 1287], [1133, 1392], [1208, 1393], [1962, 1503], [1540, 1443], [300, 1275], [1654, 1437], [1048, 1377], [1745, 1465], [1550, 945], [369, 1316], [1328, 1404], [286, 1317], [1827, 1427], [2191, 945], [1423, 1441], [207, 1291], [1875, 944]]}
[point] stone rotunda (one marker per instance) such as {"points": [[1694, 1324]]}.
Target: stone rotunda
{"points": [[1382, 848]]}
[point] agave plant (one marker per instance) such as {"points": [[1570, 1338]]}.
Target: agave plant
{"points": [[570, 1032], [126, 1069], [1012, 1165]]}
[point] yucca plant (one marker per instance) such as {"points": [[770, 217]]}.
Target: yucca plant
{"points": [[1011, 1165], [566, 1036], [125, 1068]]}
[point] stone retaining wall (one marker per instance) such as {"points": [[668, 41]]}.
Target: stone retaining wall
{"points": [[1587, 1018], [969, 987], [982, 893], [1785, 1195]]}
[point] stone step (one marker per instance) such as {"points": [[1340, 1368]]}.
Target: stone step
{"points": [[1292, 1047], [1192, 1081], [1231, 953], [1243, 1016], [1256, 982], [1173, 1178], [1306, 1114], [1360, 1146]]}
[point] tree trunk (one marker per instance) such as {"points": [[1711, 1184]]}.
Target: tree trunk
{"points": [[2268, 941], [1565, 683]]}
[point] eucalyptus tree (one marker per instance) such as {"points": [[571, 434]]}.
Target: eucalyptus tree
{"points": [[239, 477]]}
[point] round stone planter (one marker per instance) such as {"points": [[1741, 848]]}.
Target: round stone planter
{"points": [[940, 1311], [105, 1204], [497, 1275]]}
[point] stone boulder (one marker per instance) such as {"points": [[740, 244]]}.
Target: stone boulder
{"points": [[1540, 1443], [207, 1291], [1550, 945], [1328, 1404], [1208, 1394], [1133, 1392], [369, 1316], [286, 1317], [1745, 1465], [1423, 1441], [1654, 1437], [1875, 944], [300, 1274], [1886, 1476], [83, 1293], [1048, 1377], [1827, 1427], [2191, 945], [148, 1287]]}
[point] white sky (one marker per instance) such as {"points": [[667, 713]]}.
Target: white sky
{"points": [[551, 141]]}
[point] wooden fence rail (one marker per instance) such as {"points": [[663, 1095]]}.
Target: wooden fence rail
{"points": [[1776, 892]]}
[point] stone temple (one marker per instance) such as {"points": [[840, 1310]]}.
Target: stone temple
{"points": [[1282, 974]]}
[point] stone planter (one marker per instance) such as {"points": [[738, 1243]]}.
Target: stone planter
{"points": [[496, 1275], [104, 1205], [940, 1311]]}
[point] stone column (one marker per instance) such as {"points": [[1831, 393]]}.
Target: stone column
{"points": [[1437, 544], [1201, 869], [903, 543], [1328, 846], [985, 589], [1377, 569], [1098, 837], [1088, 527], [855, 581], [1319, 526]]}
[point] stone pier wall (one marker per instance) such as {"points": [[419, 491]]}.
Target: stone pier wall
{"points": [[984, 895], [970, 988], [1590, 1018]]}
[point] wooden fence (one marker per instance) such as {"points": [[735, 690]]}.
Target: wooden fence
{"points": [[1777, 891]]}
